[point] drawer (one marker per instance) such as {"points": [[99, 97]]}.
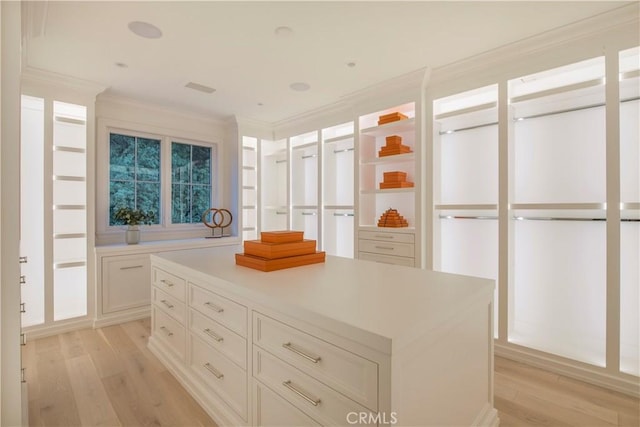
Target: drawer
{"points": [[346, 372], [169, 304], [386, 248], [387, 236], [387, 259], [272, 410], [303, 391], [167, 282], [222, 339], [225, 378], [224, 311], [168, 330]]}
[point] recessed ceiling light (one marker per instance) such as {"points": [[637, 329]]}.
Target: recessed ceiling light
{"points": [[260, 104], [351, 64], [144, 29], [121, 65], [199, 87], [300, 86], [283, 31]]}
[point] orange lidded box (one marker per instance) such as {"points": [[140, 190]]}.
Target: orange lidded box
{"points": [[283, 236], [279, 250]]}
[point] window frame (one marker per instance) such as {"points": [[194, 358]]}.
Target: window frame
{"points": [[165, 230]]}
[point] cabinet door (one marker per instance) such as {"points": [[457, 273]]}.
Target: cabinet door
{"points": [[126, 282], [272, 410]]}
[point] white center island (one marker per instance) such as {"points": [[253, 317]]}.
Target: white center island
{"points": [[346, 342]]}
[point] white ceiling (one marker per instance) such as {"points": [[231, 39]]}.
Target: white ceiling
{"points": [[232, 46]]}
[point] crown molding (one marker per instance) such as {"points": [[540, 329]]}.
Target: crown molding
{"points": [[415, 80], [38, 77], [592, 27], [137, 103]]}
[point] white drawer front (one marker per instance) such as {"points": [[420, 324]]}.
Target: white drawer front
{"points": [[387, 259], [342, 370], [125, 282], [217, 336], [386, 236], [219, 373], [173, 285], [169, 330], [222, 310], [272, 410], [169, 304], [306, 393], [386, 248]]}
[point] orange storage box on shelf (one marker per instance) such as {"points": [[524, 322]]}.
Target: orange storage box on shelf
{"points": [[277, 250], [392, 117], [395, 179]]}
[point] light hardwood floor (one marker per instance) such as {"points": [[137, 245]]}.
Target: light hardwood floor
{"points": [[108, 377]]}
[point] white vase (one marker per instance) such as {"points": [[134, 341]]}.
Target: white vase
{"points": [[132, 235]]}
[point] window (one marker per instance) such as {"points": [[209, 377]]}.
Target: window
{"points": [[190, 182], [134, 175]]}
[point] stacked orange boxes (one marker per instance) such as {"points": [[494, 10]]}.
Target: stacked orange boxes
{"points": [[391, 218], [393, 146], [393, 117], [395, 179], [277, 250]]}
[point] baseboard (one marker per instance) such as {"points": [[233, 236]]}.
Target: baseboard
{"points": [[117, 318], [40, 331], [487, 417], [623, 383]]}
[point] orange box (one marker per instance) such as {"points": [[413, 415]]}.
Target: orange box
{"points": [[283, 236], [391, 151], [279, 250], [264, 264], [395, 176], [394, 140], [387, 185], [392, 117]]}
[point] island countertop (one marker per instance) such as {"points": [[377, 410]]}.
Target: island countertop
{"points": [[388, 304]]}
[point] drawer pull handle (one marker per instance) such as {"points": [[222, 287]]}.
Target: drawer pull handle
{"points": [[290, 386], [219, 375], [389, 248], [168, 304], [383, 236], [214, 307], [131, 267], [290, 347], [213, 335], [166, 282], [166, 331]]}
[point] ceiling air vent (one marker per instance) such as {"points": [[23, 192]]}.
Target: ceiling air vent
{"points": [[199, 87]]}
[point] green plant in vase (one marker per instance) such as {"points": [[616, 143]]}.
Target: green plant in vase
{"points": [[132, 218]]}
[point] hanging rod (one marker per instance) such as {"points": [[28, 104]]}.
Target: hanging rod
{"points": [[280, 213], [309, 156], [281, 161], [570, 110], [343, 151], [343, 214], [535, 218], [309, 213], [446, 132]]}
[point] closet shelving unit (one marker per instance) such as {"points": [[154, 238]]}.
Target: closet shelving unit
{"points": [[384, 244], [558, 211], [249, 188], [338, 189], [274, 162], [630, 211], [465, 128], [305, 182]]}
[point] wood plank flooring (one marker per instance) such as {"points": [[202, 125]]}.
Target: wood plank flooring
{"points": [[108, 377]]}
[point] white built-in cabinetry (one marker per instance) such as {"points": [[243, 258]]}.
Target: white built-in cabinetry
{"points": [[258, 348], [249, 188], [305, 182], [383, 244], [274, 185]]}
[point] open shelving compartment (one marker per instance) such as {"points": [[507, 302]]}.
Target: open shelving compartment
{"points": [[305, 160], [465, 127], [558, 212], [372, 137], [338, 211], [249, 188], [274, 162]]}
